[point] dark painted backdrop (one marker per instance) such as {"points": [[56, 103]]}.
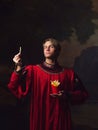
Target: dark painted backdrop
{"points": [[27, 23]]}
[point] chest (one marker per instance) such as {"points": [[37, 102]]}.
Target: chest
{"points": [[44, 80]]}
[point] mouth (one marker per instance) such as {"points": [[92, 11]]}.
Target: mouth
{"points": [[47, 53]]}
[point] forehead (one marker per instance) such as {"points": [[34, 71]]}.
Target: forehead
{"points": [[48, 43]]}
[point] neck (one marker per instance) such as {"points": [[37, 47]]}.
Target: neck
{"points": [[50, 62]]}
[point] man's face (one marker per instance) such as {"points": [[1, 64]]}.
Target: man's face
{"points": [[49, 49]]}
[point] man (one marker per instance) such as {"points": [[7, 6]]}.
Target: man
{"points": [[52, 88]]}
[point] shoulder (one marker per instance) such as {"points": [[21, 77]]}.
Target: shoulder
{"points": [[68, 70], [31, 67], [27, 67], [69, 73]]}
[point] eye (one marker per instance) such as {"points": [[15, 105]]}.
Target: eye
{"points": [[44, 47], [52, 46]]}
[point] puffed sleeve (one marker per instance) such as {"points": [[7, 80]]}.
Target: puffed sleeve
{"points": [[78, 93], [19, 83]]}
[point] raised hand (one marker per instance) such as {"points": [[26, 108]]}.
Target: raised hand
{"points": [[17, 60], [17, 57]]}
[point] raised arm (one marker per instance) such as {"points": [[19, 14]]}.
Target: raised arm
{"points": [[19, 82]]}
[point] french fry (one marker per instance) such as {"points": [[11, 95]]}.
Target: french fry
{"points": [[20, 49]]}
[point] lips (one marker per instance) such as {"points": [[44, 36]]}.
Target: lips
{"points": [[48, 53]]}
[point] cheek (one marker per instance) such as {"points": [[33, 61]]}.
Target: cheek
{"points": [[44, 51], [53, 50]]}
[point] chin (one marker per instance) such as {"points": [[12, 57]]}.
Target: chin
{"points": [[48, 56]]}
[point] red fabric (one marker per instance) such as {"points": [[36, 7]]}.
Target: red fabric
{"points": [[46, 112]]}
